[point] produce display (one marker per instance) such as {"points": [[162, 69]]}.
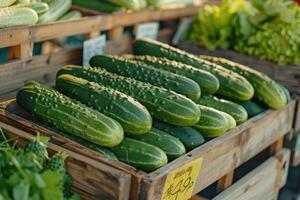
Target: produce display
{"points": [[109, 6], [154, 98], [21, 13], [30, 173], [267, 29]]}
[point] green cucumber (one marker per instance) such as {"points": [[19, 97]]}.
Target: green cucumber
{"points": [[230, 120], [163, 104], [266, 89], [140, 155], [208, 83], [235, 110], [172, 146], [57, 8], [38, 7], [231, 84], [69, 116], [252, 108], [133, 116], [287, 93], [212, 123], [142, 72], [11, 17], [72, 15], [104, 151], [190, 137], [129, 4], [97, 5]]}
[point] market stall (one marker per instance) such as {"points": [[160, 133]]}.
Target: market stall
{"points": [[146, 120]]}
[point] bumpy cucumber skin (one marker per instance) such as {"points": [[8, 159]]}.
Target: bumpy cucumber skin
{"points": [[101, 6], [133, 116], [266, 89], [172, 146], [145, 73], [57, 8], [11, 17], [212, 122], [163, 104], [252, 108], [69, 116], [235, 110], [140, 155], [231, 84], [208, 83], [190, 137]]}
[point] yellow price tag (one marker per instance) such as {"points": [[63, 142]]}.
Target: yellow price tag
{"points": [[180, 183]]}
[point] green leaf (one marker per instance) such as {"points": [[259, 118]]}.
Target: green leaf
{"points": [[21, 191]]}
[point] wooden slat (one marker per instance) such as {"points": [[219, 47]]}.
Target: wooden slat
{"points": [[95, 178], [22, 35], [263, 182], [225, 182], [222, 155]]}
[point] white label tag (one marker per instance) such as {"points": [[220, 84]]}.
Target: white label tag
{"points": [[93, 47], [147, 30], [182, 30]]}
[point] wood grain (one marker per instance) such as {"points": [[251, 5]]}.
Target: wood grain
{"points": [[221, 155], [92, 177], [263, 182]]}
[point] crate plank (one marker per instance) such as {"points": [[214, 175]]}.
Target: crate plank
{"points": [[263, 182], [90, 176], [224, 154], [220, 155]]}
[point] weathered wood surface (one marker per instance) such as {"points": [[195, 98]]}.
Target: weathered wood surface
{"points": [[23, 35], [15, 116], [221, 155], [93, 179], [288, 75], [224, 154], [264, 182]]}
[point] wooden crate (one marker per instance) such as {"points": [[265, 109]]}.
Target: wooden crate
{"points": [[220, 156], [264, 182], [288, 75], [92, 180], [23, 66]]}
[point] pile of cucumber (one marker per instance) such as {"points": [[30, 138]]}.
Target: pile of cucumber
{"points": [[152, 107], [29, 12], [109, 6]]}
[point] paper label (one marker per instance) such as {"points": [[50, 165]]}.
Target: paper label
{"points": [[93, 47], [147, 30], [182, 30], [181, 182]]}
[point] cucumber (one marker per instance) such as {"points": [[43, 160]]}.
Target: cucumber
{"points": [[231, 84], [212, 123], [235, 110], [252, 108], [166, 142], [163, 104], [69, 116], [11, 17], [287, 93], [140, 155], [266, 89], [6, 3], [104, 151], [101, 6], [231, 123], [133, 116], [57, 8], [129, 4], [189, 136], [208, 83], [142, 72], [38, 7], [74, 14]]}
